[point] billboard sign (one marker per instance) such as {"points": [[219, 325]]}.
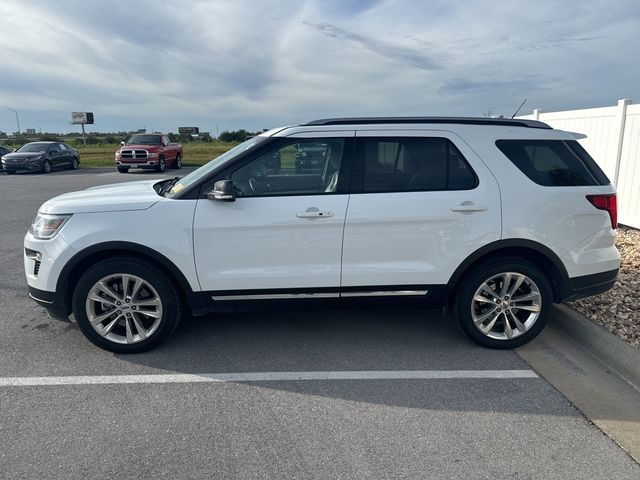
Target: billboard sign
{"points": [[188, 130], [81, 118]]}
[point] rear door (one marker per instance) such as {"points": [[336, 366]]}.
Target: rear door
{"points": [[282, 236], [421, 203]]}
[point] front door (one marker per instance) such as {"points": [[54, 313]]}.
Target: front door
{"points": [[283, 233]]}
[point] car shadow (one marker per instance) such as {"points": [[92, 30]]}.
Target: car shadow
{"points": [[354, 339]]}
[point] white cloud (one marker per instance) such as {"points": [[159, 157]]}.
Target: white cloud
{"points": [[241, 64]]}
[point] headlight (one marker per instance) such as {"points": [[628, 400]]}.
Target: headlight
{"points": [[152, 155], [46, 226], [118, 154]]}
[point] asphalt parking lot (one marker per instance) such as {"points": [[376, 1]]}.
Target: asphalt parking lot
{"points": [[429, 424]]}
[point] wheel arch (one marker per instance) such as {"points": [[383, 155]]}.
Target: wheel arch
{"points": [[540, 255], [82, 260]]}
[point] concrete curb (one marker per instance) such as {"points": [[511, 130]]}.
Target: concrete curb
{"points": [[615, 353]]}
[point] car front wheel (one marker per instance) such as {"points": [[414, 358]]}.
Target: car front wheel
{"points": [[504, 303], [161, 165], [126, 306]]}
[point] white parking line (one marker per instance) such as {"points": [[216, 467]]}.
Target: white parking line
{"points": [[265, 377]]}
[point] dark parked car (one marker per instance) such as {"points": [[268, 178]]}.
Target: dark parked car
{"points": [[41, 157], [4, 151]]}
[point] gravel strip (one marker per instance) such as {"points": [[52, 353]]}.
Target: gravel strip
{"points": [[618, 309]]}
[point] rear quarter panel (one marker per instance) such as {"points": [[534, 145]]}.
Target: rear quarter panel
{"points": [[560, 218]]}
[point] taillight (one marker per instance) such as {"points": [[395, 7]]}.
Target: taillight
{"points": [[608, 203]]}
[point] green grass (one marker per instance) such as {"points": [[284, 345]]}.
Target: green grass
{"points": [[194, 154]]}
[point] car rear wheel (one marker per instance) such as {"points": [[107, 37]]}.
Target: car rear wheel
{"points": [[123, 169], [46, 166], [126, 306], [504, 303], [74, 163], [178, 162]]}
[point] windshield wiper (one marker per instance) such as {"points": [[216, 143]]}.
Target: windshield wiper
{"points": [[168, 184]]}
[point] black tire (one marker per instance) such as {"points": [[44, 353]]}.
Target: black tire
{"points": [[123, 169], [464, 302], [166, 292], [161, 167], [46, 166], [74, 163], [177, 164]]}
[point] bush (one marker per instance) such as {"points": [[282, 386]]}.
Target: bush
{"points": [[49, 137]]}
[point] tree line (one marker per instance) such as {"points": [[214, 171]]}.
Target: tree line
{"points": [[233, 136]]}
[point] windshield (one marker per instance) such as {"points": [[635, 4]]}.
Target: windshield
{"points": [[34, 147], [204, 170], [144, 140]]}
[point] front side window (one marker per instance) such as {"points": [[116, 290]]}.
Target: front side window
{"points": [[409, 164], [299, 167]]}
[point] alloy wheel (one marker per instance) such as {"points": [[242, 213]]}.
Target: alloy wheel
{"points": [[124, 308], [506, 305]]}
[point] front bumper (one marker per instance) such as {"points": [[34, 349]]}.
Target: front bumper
{"points": [[54, 304], [140, 163], [28, 166], [43, 264]]}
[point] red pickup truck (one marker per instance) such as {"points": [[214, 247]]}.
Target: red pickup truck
{"points": [[150, 151]]}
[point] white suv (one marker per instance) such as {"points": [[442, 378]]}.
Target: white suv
{"points": [[496, 218]]}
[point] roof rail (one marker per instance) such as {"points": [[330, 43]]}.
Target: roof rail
{"points": [[430, 120]]}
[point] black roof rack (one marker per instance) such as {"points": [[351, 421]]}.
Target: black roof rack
{"points": [[456, 120]]}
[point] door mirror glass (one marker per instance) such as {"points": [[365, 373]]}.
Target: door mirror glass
{"points": [[223, 191]]}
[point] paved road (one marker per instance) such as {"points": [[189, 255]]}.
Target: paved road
{"points": [[469, 428]]}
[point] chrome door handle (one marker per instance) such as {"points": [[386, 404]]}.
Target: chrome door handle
{"points": [[468, 207], [314, 212]]}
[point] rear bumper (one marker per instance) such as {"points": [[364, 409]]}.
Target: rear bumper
{"points": [[52, 302], [587, 285]]}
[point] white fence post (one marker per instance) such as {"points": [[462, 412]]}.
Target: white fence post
{"points": [[622, 117]]}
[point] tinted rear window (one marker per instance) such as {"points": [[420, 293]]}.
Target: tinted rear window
{"points": [[554, 163], [410, 164]]}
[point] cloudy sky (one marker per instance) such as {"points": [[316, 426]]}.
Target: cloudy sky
{"points": [[260, 64]]}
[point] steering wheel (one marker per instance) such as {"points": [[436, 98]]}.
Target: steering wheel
{"points": [[255, 186]]}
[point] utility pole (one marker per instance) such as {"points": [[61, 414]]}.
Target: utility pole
{"points": [[17, 119]]}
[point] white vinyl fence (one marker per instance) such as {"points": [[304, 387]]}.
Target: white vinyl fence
{"points": [[613, 140]]}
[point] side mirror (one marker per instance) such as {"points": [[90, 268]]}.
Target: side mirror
{"points": [[223, 191], [122, 143]]}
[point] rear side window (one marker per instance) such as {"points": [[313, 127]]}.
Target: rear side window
{"points": [[410, 164], [554, 163]]}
